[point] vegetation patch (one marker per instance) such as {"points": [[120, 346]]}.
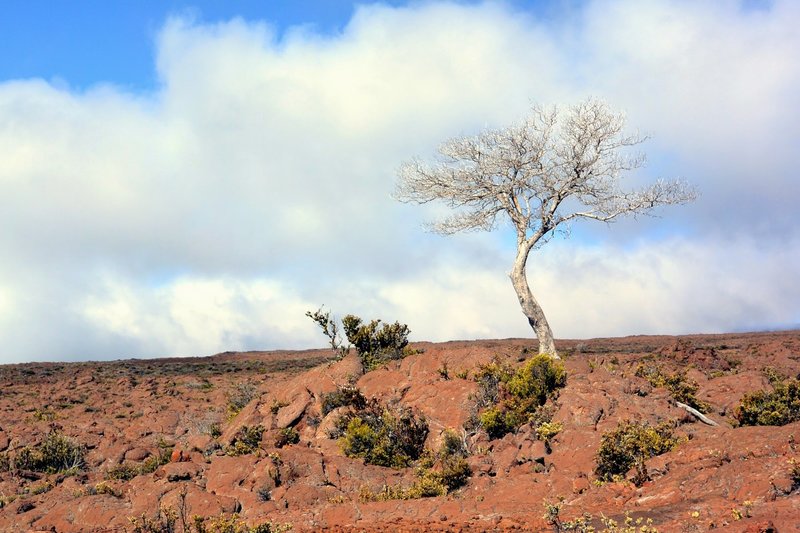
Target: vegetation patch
{"points": [[166, 521], [240, 397], [129, 470], [375, 342], [287, 436], [55, 454], [679, 386], [246, 441], [630, 446], [341, 397], [511, 398], [382, 436], [437, 474], [776, 408]]}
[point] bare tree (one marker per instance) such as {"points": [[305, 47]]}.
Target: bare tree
{"points": [[553, 168]]}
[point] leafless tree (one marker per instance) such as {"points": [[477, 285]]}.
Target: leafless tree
{"points": [[554, 167]]}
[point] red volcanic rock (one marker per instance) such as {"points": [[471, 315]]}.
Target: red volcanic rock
{"points": [[726, 478], [137, 454]]}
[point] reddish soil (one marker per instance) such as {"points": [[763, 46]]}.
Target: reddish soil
{"points": [[724, 477]]}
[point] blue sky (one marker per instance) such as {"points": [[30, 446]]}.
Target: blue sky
{"points": [[183, 178]]}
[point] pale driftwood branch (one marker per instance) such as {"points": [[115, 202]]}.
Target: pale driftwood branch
{"points": [[697, 414]]}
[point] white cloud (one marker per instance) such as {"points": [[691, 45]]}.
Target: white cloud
{"points": [[255, 183]]}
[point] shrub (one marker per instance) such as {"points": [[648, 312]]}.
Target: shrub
{"points": [[247, 440], [547, 430], [382, 437], [55, 454], [537, 379], [376, 342], [341, 397], [437, 474], [679, 386], [287, 436], [240, 397], [233, 524], [127, 470], [331, 330], [794, 473], [629, 446], [514, 398], [776, 408]]}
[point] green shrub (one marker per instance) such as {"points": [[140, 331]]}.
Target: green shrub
{"points": [[287, 436], [629, 446], [55, 454], [233, 524], [382, 437], [679, 386], [547, 430], [376, 342], [794, 473], [341, 397], [515, 398], [437, 474], [496, 422], [247, 440], [128, 470], [537, 379], [776, 408]]}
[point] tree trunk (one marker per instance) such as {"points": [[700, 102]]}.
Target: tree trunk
{"points": [[530, 307]]}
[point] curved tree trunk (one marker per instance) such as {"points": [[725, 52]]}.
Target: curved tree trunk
{"points": [[530, 307]]}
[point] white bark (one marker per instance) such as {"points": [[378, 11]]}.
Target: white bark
{"points": [[543, 173]]}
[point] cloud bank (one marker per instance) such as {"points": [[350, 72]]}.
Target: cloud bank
{"points": [[255, 183]]}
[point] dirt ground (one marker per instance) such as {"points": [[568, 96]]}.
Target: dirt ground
{"points": [[170, 421]]}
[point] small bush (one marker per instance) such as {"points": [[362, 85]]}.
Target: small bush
{"points": [[128, 470], [547, 430], [776, 408], [794, 473], [287, 436], [679, 386], [247, 440], [240, 397], [341, 397], [517, 397], [56, 454], [629, 446], [233, 524], [382, 437], [376, 343], [437, 474]]}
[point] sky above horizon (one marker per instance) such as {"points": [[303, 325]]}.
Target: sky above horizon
{"points": [[184, 178]]}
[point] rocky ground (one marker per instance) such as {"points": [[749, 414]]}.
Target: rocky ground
{"points": [[167, 423]]}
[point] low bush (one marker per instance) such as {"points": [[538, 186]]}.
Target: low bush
{"points": [[776, 408], [382, 436], [240, 397], [437, 474], [55, 454], [679, 386], [233, 524], [341, 397], [128, 470], [287, 436], [375, 342], [247, 440], [514, 398], [629, 446]]}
